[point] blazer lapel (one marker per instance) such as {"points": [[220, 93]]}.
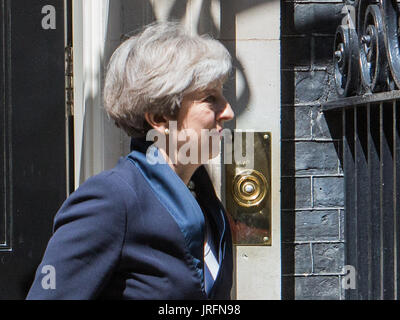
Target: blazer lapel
{"points": [[174, 196], [213, 207]]}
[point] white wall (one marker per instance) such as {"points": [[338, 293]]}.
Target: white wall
{"points": [[257, 47]]}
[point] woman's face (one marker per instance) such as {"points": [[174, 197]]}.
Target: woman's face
{"points": [[204, 113]]}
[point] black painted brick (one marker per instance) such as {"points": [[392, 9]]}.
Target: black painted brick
{"points": [[288, 87], [296, 258], [316, 288], [326, 125], [310, 225], [322, 47], [301, 56], [328, 257], [307, 18], [296, 122], [328, 192], [308, 158], [311, 86], [295, 192], [342, 225]]}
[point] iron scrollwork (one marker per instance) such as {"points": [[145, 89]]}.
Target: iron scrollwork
{"points": [[367, 48]]}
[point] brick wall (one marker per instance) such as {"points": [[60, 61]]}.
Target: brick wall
{"points": [[312, 177]]}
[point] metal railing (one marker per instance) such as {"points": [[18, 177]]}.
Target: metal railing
{"points": [[371, 154], [367, 74]]}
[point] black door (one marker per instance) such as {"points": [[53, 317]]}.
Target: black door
{"points": [[33, 135]]}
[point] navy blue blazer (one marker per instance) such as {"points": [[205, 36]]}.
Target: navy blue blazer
{"points": [[136, 232]]}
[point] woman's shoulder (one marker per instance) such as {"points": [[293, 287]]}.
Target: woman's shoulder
{"points": [[113, 190], [120, 180]]}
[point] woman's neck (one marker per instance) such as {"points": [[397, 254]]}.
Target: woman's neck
{"points": [[184, 171]]}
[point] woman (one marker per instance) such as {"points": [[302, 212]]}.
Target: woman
{"points": [[137, 231]]}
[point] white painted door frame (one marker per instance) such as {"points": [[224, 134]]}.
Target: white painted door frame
{"points": [[257, 47], [98, 143]]}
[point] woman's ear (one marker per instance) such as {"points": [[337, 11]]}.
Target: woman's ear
{"points": [[158, 122]]}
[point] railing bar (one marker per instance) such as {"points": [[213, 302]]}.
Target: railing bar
{"points": [[361, 100], [375, 199], [397, 213], [395, 204], [368, 225], [381, 196], [355, 190], [349, 173], [386, 218], [396, 251], [362, 197], [387, 199]]}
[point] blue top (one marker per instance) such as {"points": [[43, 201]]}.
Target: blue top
{"points": [[136, 232]]}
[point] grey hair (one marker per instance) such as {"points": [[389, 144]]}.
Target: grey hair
{"points": [[152, 71]]}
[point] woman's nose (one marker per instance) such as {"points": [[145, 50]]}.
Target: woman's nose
{"points": [[227, 113]]}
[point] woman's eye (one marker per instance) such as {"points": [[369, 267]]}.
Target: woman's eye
{"points": [[210, 99]]}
